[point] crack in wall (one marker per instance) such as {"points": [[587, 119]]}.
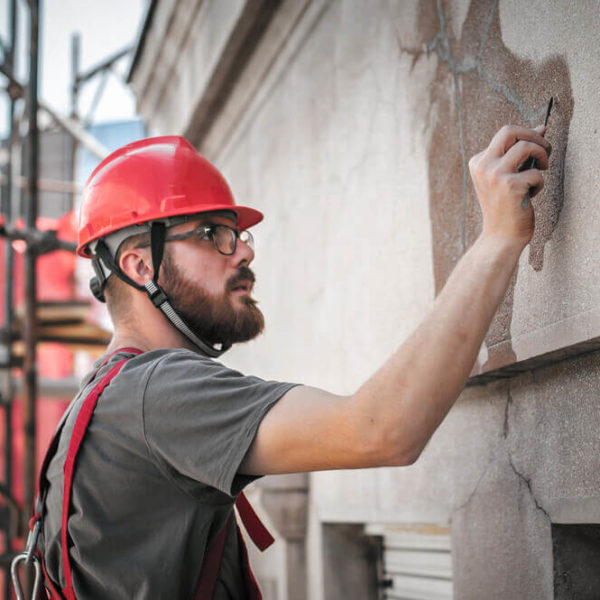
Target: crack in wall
{"points": [[522, 479], [509, 401], [471, 495], [505, 432], [498, 457], [527, 482]]}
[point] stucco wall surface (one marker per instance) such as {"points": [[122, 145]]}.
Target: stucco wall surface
{"points": [[379, 106], [337, 162], [356, 153], [354, 142]]}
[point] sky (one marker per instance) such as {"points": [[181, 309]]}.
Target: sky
{"points": [[105, 27]]}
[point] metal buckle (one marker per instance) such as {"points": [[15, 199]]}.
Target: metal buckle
{"points": [[14, 574], [28, 557]]}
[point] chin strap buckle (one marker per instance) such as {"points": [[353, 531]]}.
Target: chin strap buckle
{"points": [[156, 295]]}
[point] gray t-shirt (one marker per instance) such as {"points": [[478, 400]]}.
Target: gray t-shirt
{"points": [[156, 477]]}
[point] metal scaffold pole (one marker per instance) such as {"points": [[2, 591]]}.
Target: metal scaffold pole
{"points": [[31, 210], [20, 186], [7, 211], [11, 525]]}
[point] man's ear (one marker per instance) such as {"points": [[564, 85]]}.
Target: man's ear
{"points": [[136, 263]]}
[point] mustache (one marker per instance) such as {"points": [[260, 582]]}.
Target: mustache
{"points": [[244, 274]]}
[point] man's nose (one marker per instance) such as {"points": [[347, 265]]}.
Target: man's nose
{"points": [[243, 253]]}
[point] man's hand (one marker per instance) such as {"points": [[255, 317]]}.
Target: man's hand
{"points": [[501, 187], [391, 417]]}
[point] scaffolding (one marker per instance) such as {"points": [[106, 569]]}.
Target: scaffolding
{"points": [[19, 202]]}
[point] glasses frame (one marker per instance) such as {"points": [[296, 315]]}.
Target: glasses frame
{"points": [[207, 232]]}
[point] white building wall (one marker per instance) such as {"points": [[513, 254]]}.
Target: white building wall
{"points": [[328, 129]]}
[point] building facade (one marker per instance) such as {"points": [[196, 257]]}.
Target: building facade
{"points": [[350, 125]]}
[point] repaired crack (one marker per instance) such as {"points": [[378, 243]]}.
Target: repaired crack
{"points": [[441, 46], [486, 31], [527, 483]]}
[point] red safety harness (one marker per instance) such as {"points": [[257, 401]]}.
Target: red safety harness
{"points": [[214, 552]]}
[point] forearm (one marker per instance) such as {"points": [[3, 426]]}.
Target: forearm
{"points": [[410, 395], [391, 417]]}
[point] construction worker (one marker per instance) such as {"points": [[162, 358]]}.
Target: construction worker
{"points": [[138, 488]]}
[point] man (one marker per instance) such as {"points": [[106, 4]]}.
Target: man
{"points": [[175, 435]]}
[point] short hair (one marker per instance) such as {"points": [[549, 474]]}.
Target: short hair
{"points": [[116, 290]]}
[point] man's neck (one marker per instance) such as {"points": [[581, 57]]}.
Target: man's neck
{"points": [[147, 343]]}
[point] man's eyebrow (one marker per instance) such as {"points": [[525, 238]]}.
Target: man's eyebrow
{"points": [[213, 224]]}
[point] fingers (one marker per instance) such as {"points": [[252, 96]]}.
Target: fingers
{"points": [[509, 135], [521, 152], [528, 182], [504, 191]]}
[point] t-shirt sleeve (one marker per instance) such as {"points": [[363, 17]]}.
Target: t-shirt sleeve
{"points": [[201, 417]]}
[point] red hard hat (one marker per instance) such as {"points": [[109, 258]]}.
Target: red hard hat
{"points": [[149, 180]]}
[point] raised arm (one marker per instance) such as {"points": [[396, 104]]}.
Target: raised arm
{"points": [[392, 415]]}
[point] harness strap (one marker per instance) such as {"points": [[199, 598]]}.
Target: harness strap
{"points": [[209, 573], [51, 590], [216, 548], [258, 533], [252, 588], [81, 424]]}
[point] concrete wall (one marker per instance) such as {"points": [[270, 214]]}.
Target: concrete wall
{"points": [[349, 124]]}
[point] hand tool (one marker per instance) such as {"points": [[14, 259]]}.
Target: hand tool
{"points": [[530, 164]]}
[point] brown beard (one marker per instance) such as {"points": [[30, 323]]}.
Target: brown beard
{"points": [[213, 318]]}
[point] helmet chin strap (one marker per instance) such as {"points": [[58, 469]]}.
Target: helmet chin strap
{"points": [[157, 296], [160, 300]]}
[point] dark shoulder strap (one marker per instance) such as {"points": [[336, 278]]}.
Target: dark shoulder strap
{"points": [[213, 558], [216, 549]]}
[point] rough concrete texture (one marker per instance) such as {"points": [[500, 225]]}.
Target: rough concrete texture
{"points": [[336, 160], [502, 547], [354, 143], [451, 87], [360, 142], [477, 76], [511, 458]]}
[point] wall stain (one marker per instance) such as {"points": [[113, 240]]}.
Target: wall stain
{"points": [[479, 85]]}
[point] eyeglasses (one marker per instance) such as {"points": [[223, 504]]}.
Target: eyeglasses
{"points": [[223, 237]]}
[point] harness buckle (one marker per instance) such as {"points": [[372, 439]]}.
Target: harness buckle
{"points": [[27, 558]]}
